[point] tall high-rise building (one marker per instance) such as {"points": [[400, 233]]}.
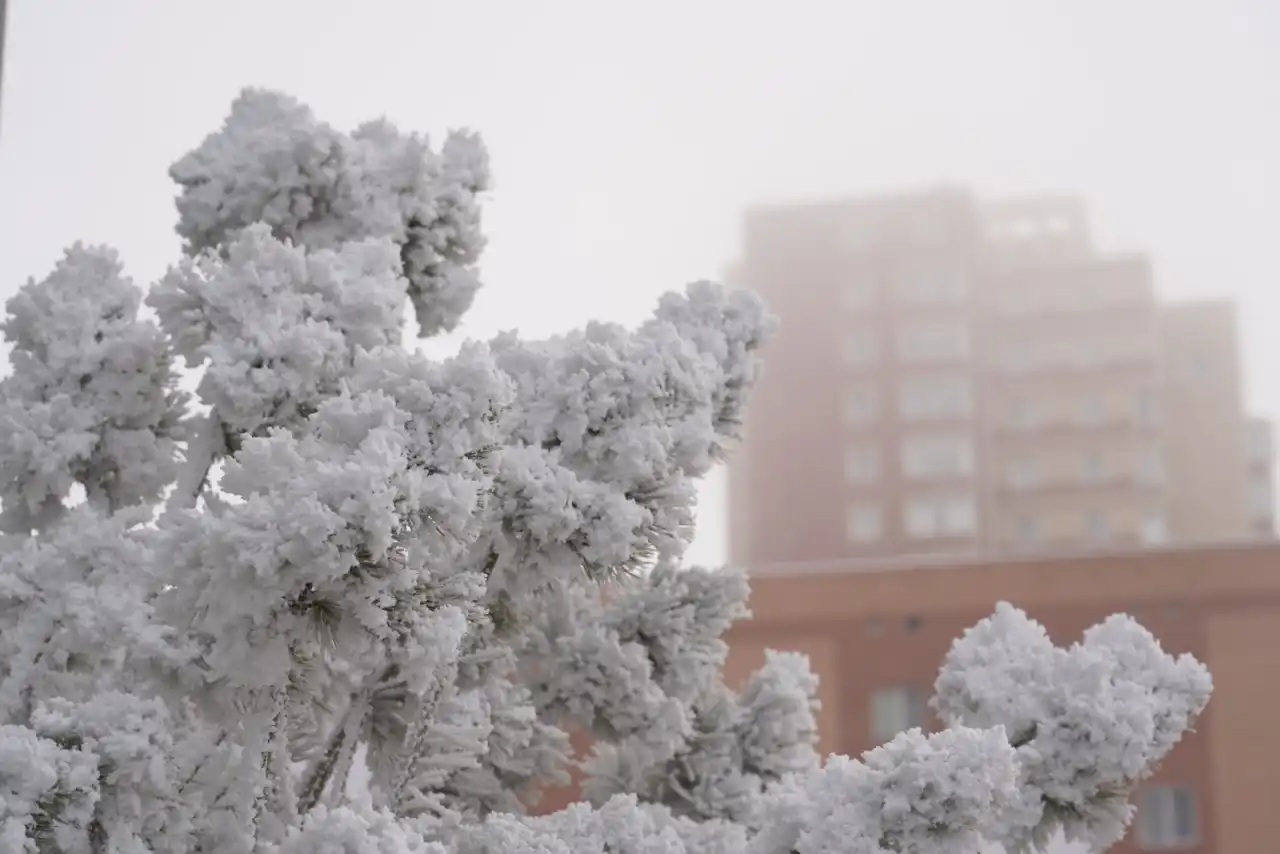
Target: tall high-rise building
{"points": [[954, 376]]}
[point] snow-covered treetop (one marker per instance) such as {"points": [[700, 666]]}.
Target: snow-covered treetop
{"points": [[1088, 722], [274, 163], [353, 599], [91, 400]]}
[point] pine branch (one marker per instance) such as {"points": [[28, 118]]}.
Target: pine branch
{"points": [[207, 441], [317, 776], [416, 737], [355, 723]]}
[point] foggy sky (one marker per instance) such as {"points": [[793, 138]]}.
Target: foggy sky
{"points": [[626, 138]]}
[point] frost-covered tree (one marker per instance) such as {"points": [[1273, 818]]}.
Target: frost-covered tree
{"points": [[351, 599]]}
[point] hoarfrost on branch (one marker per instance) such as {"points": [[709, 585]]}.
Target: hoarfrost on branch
{"points": [[344, 561]]}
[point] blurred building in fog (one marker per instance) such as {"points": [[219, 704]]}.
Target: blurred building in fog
{"points": [[961, 377], [876, 634]]}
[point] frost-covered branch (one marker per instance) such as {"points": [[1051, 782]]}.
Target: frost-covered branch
{"points": [[91, 400], [387, 587], [274, 163]]}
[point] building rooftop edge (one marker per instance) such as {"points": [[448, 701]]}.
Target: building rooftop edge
{"points": [[972, 560]]}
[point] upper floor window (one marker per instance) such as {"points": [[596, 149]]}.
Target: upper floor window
{"points": [[862, 464], [859, 294], [1097, 526], [864, 523], [937, 456], [1262, 498], [941, 516], [1259, 440], [1155, 530], [860, 348], [923, 398], [1023, 474], [1168, 818], [1090, 412], [1026, 530], [1092, 467], [932, 286], [1026, 414], [859, 235], [934, 339], [1150, 467], [861, 404]]}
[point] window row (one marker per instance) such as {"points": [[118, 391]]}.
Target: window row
{"points": [[926, 286], [950, 339], [1083, 353], [919, 399], [923, 518], [956, 516], [1085, 294], [1097, 526], [1134, 407], [951, 396], [1086, 467], [862, 234], [920, 458], [924, 340]]}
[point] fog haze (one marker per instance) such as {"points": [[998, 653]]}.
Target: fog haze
{"points": [[627, 138]]}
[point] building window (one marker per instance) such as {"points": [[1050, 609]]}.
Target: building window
{"points": [[860, 348], [1155, 530], [1097, 526], [1262, 497], [1090, 412], [928, 229], [1151, 468], [935, 339], [1015, 359], [951, 516], [1027, 530], [858, 295], [923, 398], [1167, 818], [1144, 408], [1194, 368], [938, 286], [861, 405], [858, 235], [864, 523], [1026, 415], [862, 464], [1260, 442], [1023, 474], [897, 709], [1092, 469], [937, 456]]}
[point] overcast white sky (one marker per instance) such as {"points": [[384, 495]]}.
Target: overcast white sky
{"points": [[627, 137]]}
